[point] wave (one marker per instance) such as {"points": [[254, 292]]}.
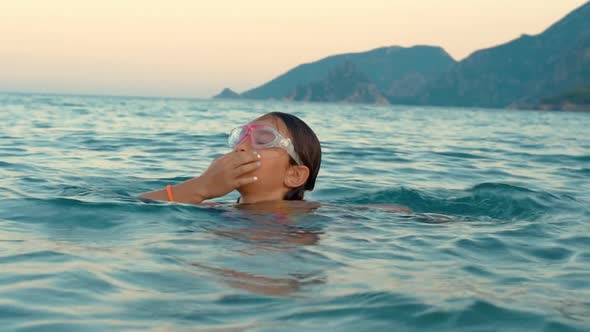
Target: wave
{"points": [[494, 200]]}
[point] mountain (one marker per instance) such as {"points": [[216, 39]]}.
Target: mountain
{"points": [[395, 71], [344, 83], [521, 72], [540, 71], [227, 93], [576, 100]]}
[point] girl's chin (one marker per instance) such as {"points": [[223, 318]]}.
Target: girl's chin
{"points": [[248, 188]]}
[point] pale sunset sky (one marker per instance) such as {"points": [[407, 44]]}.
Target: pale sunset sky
{"points": [[194, 48]]}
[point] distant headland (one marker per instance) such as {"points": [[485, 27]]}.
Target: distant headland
{"points": [[549, 71]]}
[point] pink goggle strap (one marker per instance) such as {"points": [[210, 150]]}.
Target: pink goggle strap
{"points": [[247, 134]]}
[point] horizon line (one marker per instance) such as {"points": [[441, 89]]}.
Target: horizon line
{"points": [[83, 94]]}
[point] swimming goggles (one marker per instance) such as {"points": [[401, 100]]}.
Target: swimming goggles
{"points": [[262, 137]]}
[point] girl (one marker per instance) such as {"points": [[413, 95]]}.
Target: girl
{"points": [[275, 158]]}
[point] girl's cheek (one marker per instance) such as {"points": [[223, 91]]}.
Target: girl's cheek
{"points": [[269, 156], [265, 167], [268, 166]]}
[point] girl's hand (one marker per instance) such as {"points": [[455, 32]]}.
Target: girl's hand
{"points": [[227, 173]]}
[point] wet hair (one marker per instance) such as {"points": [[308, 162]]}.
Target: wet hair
{"points": [[307, 146]]}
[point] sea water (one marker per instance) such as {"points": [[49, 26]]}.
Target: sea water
{"points": [[499, 236]]}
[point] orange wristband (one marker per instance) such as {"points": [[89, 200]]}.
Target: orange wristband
{"points": [[169, 191]]}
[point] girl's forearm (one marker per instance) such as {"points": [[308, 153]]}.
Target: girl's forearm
{"points": [[190, 191]]}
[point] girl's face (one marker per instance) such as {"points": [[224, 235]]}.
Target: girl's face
{"points": [[274, 161]]}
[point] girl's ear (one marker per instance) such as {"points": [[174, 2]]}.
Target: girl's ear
{"points": [[296, 176]]}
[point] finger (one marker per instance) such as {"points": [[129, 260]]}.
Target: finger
{"points": [[244, 181], [246, 168], [244, 157]]}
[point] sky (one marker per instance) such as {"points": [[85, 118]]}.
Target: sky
{"points": [[194, 48]]}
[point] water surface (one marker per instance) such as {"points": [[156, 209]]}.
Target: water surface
{"points": [[499, 238]]}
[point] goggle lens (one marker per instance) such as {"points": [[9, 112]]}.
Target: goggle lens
{"points": [[236, 136], [260, 136], [263, 136]]}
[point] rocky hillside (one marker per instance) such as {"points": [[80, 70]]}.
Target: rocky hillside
{"points": [[345, 83], [521, 72], [394, 71]]}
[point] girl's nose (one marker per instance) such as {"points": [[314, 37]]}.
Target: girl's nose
{"points": [[244, 146]]}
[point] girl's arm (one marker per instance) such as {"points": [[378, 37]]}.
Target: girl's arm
{"points": [[190, 191], [224, 175]]}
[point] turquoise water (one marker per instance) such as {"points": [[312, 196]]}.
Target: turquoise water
{"points": [[499, 238]]}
